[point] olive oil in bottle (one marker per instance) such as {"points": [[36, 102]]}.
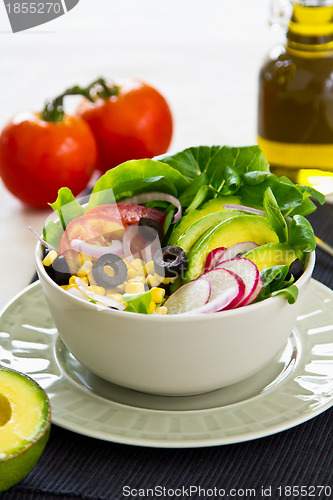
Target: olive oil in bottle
{"points": [[295, 110]]}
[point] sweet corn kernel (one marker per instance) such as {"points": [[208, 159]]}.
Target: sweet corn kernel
{"points": [[164, 280], [152, 307], [137, 264], [133, 273], [121, 288], [162, 310], [97, 289], [72, 280], [115, 296], [157, 294], [137, 279], [84, 258], [49, 258], [109, 271], [149, 268], [91, 278], [85, 269], [152, 281], [134, 287]]}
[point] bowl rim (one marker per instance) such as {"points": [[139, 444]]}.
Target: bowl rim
{"points": [[309, 265]]}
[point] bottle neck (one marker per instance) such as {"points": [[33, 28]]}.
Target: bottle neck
{"points": [[310, 30]]}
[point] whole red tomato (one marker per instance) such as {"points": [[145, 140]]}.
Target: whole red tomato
{"points": [[38, 157], [135, 123]]}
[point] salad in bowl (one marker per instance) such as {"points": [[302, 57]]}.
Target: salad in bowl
{"points": [[167, 278], [201, 231]]}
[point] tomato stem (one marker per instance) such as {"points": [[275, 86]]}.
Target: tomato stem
{"points": [[54, 108]]}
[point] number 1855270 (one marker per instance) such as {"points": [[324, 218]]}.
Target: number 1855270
{"points": [[34, 7]]}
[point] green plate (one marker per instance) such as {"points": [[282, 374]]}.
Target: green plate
{"points": [[294, 388]]}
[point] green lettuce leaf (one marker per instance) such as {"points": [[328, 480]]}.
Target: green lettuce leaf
{"points": [[137, 176], [67, 207], [138, 303]]}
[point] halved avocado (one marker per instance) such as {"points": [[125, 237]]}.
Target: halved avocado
{"points": [[24, 425], [188, 238], [273, 254], [240, 228], [215, 205]]}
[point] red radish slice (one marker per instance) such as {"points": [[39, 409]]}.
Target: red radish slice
{"points": [[256, 292], [213, 257], [227, 289], [192, 295], [237, 250], [247, 271]]}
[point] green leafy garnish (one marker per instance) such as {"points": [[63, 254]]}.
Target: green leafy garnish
{"points": [[274, 215], [276, 282], [67, 207], [52, 233], [136, 176], [138, 303], [301, 234]]}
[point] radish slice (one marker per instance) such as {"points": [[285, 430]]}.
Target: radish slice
{"points": [[256, 292], [237, 250], [192, 295], [227, 289], [96, 250], [247, 271], [154, 196], [213, 257], [244, 208]]}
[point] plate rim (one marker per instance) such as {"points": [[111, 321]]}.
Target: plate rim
{"points": [[175, 443]]}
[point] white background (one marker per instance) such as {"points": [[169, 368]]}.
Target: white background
{"points": [[204, 56]]}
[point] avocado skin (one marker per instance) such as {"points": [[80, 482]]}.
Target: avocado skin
{"points": [[240, 228], [19, 463], [214, 205], [273, 254], [195, 230]]}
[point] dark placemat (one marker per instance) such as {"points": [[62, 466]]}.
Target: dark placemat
{"points": [[74, 466]]}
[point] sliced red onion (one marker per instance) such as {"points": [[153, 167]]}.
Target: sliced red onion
{"points": [[43, 242], [97, 251], [243, 208], [155, 196], [99, 298]]}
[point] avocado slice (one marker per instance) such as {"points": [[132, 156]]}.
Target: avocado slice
{"points": [[214, 205], [273, 254], [191, 234], [24, 425], [229, 232]]}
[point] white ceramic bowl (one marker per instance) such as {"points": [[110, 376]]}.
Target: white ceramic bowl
{"points": [[173, 355]]}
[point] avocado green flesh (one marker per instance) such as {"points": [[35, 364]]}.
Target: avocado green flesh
{"points": [[197, 228], [24, 426], [272, 254], [215, 205], [226, 234]]}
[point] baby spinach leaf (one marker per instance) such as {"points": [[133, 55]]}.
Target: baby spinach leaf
{"points": [[275, 282], [137, 176], [274, 215], [199, 198], [290, 293], [301, 234], [190, 192]]}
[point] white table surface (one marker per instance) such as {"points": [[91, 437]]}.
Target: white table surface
{"points": [[204, 56]]}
